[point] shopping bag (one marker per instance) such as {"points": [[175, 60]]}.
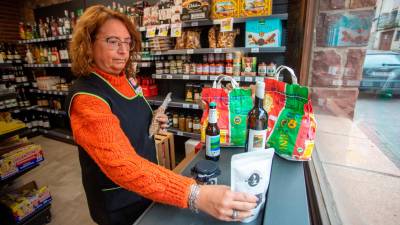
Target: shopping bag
{"points": [[291, 121], [232, 109]]}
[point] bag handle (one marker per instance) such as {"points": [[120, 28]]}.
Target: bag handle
{"points": [[220, 78], [291, 71]]}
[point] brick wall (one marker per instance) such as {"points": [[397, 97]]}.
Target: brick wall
{"points": [[9, 19], [338, 54]]}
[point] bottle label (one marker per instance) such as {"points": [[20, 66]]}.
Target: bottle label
{"points": [[212, 117], [257, 139], [212, 145], [64, 54]]}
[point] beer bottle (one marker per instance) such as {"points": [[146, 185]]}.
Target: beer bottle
{"points": [[257, 122], [212, 134]]}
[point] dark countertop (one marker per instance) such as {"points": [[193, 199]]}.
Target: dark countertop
{"points": [[286, 202]]}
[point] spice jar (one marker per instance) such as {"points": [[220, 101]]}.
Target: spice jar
{"points": [[175, 120], [182, 122], [196, 125], [188, 124]]}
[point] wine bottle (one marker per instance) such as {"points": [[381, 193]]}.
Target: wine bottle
{"points": [[257, 122], [213, 150]]}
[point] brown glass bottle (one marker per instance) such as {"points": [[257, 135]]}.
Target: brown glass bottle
{"points": [[213, 149]]}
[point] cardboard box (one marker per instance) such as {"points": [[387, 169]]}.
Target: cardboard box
{"points": [[249, 8], [264, 33], [195, 9], [224, 9]]}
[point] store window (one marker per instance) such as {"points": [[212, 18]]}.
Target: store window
{"points": [[355, 82]]}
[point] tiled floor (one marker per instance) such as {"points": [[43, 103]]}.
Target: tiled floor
{"points": [[60, 171], [363, 183]]}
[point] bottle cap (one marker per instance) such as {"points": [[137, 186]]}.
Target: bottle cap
{"points": [[213, 104]]}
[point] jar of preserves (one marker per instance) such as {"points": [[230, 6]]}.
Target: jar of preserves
{"points": [[199, 69], [182, 122], [206, 69], [229, 57], [211, 58], [196, 125], [205, 58], [175, 120], [189, 124], [212, 69], [229, 69], [189, 93], [193, 68]]}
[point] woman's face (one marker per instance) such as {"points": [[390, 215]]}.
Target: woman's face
{"points": [[111, 47]]}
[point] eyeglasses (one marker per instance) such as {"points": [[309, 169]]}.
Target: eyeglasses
{"points": [[115, 43]]}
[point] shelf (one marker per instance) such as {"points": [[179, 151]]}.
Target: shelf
{"points": [[51, 111], [7, 95], [204, 77], [65, 93], [41, 215], [184, 134], [206, 22], [12, 133], [174, 103], [9, 63], [221, 50], [44, 65], [38, 40], [18, 174], [19, 109], [58, 134], [144, 64]]}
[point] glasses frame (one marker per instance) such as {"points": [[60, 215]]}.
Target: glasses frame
{"points": [[120, 43]]}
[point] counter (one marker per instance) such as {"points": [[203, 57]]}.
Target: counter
{"points": [[286, 202]]}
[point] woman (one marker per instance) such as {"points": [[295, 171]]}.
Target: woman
{"points": [[110, 124]]}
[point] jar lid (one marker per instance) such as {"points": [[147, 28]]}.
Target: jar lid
{"points": [[206, 167]]}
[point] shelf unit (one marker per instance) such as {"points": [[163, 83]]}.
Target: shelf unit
{"points": [[38, 40], [64, 93], [221, 50], [12, 133], [184, 133], [206, 22], [177, 103], [204, 77], [44, 65]]}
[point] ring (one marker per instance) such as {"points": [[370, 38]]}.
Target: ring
{"points": [[235, 214]]}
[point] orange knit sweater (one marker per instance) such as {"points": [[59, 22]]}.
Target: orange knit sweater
{"points": [[98, 131]]}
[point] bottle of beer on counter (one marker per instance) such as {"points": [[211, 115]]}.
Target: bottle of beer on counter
{"points": [[257, 122], [212, 134]]}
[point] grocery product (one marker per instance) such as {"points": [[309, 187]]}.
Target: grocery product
{"points": [[249, 8], [195, 9], [249, 66], [224, 8], [263, 33]]}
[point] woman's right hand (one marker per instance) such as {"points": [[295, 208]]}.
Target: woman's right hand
{"points": [[219, 201]]}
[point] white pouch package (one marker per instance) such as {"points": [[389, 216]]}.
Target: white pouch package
{"points": [[250, 172]]}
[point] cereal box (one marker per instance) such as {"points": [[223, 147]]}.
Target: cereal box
{"points": [[263, 33]]}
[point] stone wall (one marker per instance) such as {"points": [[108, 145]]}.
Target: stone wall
{"points": [[341, 37]]}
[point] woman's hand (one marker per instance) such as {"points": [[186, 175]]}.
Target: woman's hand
{"points": [[219, 201], [162, 120]]}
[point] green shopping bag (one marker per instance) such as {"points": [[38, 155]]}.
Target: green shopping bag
{"points": [[232, 109]]}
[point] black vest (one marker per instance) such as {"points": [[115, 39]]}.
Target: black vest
{"points": [[135, 114]]}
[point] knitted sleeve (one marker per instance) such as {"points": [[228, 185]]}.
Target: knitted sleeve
{"points": [[96, 129]]}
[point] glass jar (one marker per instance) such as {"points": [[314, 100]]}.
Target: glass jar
{"points": [[229, 69], [193, 69], [262, 69], [189, 124], [189, 93], [175, 120], [206, 69], [182, 122], [199, 69], [196, 125]]}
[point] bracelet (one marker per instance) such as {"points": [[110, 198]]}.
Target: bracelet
{"points": [[194, 193]]}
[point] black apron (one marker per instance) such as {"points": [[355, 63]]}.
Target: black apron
{"points": [[108, 203]]}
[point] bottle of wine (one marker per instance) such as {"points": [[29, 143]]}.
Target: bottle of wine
{"points": [[257, 122], [212, 134], [67, 23]]}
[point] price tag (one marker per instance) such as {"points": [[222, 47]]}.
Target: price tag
{"points": [[176, 30], [151, 31], [189, 51], [218, 50], [60, 93], [48, 111], [179, 133], [169, 77], [213, 77], [158, 76], [255, 50], [45, 131], [34, 129], [195, 24], [54, 111], [39, 91], [259, 78], [236, 78], [226, 24], [17, 111], [248, 79], [203, 78], [186, 106], [59, 65], [158, 53], [185, 77], [142, 28], [68, 137], [195, 106]]}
